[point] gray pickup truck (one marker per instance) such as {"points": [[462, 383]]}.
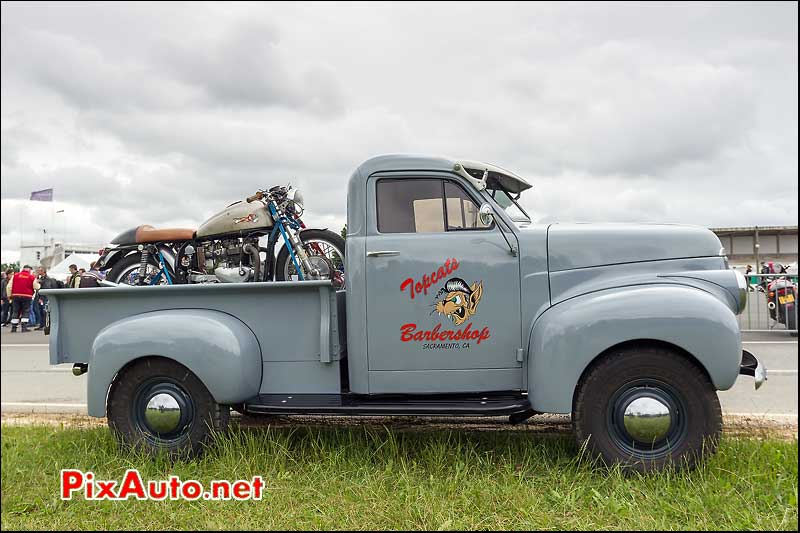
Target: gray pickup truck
{"points": [[455, 304]]}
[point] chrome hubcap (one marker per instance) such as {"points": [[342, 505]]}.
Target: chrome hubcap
{"points": [[162, 413], [647, 419]]}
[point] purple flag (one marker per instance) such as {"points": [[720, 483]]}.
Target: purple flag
{"points": [[45, 195]]}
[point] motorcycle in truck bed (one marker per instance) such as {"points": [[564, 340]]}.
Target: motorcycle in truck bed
{"points": [[456, 304]]}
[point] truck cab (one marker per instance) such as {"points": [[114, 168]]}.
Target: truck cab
{"points": [[456, 304]]}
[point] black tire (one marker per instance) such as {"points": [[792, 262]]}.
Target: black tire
{"points": [[642, 374], [789, 317], [125, 265], [200, 416], [334, 239]]}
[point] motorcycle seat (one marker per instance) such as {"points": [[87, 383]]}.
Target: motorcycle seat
{"points": [[150, 234], [146, 233]]}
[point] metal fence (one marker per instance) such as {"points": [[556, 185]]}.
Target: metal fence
{"points": [[770, 312]]}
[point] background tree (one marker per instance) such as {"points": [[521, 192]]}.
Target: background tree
{"points": [[6, 266]]}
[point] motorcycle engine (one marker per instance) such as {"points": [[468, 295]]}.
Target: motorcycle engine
{"points": [[233, 274], [226, 261]]}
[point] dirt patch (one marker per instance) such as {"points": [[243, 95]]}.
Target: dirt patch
{"points": [[784, 427]]}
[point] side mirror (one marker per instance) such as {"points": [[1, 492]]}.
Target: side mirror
{"points": [[486, 215]]}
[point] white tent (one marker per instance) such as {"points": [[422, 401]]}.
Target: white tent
{"points": [[61, 270]]}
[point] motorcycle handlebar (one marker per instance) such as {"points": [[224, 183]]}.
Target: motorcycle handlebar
{"points": [[257, 196]]}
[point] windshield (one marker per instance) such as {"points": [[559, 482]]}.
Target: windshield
{"points": [[511, 207]]}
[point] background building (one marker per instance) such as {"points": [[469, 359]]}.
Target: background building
{"points": [[751, 245], [52, 253]]}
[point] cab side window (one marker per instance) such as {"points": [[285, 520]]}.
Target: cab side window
{"points": [[462, 212], [424, 206], [410, 206]]}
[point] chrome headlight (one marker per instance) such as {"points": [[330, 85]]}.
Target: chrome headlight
{"points": [[297, 197], [742, 283]]}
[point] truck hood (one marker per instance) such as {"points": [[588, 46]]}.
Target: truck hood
{"points": [[572, 246]]}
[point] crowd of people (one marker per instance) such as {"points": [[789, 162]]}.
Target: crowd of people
{"points": [[23, 305], [767, 270]]}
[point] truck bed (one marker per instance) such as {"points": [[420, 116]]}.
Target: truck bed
{"points": [[294, 322]]}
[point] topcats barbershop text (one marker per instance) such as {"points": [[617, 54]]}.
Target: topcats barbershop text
{"points": [[422, 286]]}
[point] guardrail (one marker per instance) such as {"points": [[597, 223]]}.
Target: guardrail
{"points": [[770, 310]]}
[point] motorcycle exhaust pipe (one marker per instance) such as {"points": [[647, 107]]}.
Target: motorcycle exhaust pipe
{"points": [[771, 305], [255, 258]]}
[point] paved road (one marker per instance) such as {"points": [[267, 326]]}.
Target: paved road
{"points": [[28, 382]]}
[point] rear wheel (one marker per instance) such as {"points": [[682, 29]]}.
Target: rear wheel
{"points": [[789, 317], [159, 405], [126, 271], [645, 408]]}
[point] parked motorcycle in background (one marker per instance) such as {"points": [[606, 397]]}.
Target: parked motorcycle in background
{"points": [[226, 247], [782, 302]]}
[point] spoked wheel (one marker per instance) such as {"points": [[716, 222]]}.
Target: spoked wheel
{"points": [[325, 251], [126, 272], [645, 408]]}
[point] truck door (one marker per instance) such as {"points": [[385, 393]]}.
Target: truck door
{"points": [[443, 290]]}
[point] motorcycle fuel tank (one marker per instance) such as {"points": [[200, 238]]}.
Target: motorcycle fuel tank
{"points": [[237, 217]]}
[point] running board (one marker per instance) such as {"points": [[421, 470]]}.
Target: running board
{"points": [[449, 405]]}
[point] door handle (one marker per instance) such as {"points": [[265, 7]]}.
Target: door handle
{"points": [[382, 253]]}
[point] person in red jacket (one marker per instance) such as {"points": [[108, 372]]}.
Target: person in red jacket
{"points": [[20, 291]]}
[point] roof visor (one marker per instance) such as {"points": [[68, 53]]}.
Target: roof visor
{"points": [[496, 177]]}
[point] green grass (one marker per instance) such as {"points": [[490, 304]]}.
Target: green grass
{"points": [[362, 478]]}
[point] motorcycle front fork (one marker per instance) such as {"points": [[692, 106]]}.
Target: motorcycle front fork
{"points": [[298, 253]]}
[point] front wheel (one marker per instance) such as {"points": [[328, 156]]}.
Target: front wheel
{"points": [[325, 251], [645, 408]]}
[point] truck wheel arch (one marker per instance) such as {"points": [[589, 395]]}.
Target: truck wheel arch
{"points": [[217, 347], [571, 336], [676, 350]]}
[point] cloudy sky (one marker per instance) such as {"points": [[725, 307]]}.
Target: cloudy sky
{"points": [[163, 114]]}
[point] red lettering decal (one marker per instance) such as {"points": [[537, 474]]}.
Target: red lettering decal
{"points": [[428, 280], [405, 284], [71, 480], [484, 335], [406, 330]]}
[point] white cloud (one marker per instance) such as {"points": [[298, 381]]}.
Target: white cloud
{"points": [[164, 113]]}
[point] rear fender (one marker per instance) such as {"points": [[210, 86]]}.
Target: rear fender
{"points": [[114, 256], [568, 337], [218, 348], [111, 258]]}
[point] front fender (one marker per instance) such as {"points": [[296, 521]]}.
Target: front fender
{"points": [[216, 346], [568, 336]]}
